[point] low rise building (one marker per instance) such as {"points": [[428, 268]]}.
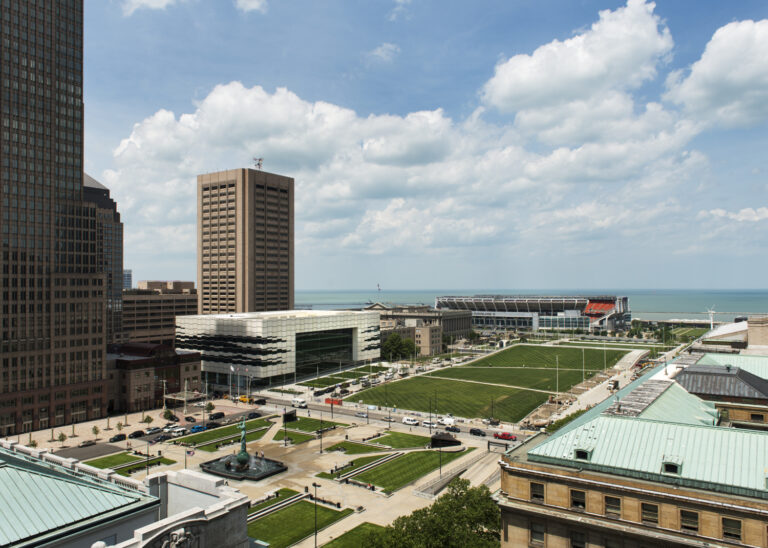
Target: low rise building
{"points": [[453, 323], [141, 374], [60, 502], [650, 467], [427, 338], [150, 312], [241, 351]]}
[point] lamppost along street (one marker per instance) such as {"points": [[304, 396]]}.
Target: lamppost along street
{"points": [[315, 486]]}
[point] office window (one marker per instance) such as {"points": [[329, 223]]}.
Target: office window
{"points": [[650, 513], [613, 543], [731, 529], [613, 507], [757, 417], [537, 492], [538, 531], [578, 540], [578, 500], [689, 521]]}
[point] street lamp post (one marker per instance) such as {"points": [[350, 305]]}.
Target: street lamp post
{"points": [[315, 485], [321, 432]]}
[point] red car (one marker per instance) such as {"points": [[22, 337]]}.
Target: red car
{"points": [[504, 436]]}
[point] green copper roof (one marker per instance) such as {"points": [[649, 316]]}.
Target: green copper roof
{"points": [[721, 459], [675, 404], [757, 365], [40, 503]]}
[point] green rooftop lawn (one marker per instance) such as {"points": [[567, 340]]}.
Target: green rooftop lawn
{"points": [[545, 356], [222, 432], [354, 538], [111, 461], [613, 345], [310, 424], [400, 440], [525, 377], [289, 525], [322, 382], [399, 472], [295, 437], [142, 465], [352, 448], [359, 462], [463, 399], [282, 494]]}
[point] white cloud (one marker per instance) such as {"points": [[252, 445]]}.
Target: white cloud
{"points": [[620, 51], [746, 215], [729, 84], [384, 53], [252, 5], [400, 9], [130, 6]]}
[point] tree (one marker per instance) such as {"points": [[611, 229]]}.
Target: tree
{"points": [[167, 414], [463, 516], [209, 407], [148, 419], [32, 444], [408, 348], [390, 350], [119, 426], [473, 336], [95, 430], [62, 438]]}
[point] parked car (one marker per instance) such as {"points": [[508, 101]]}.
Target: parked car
{"points": [[429, 424], [259, 401], [216, 416], [178, 432], [476, 432], [86, 443], [190, 419], [116, 438], [410, 421], [136, 434], [167, 429], [161, 437], [504, 436], [199, 404], [197, 428], [253, 415], [152, 430], [388, 419], [212, 424], [173, 418], [362, 414], [452, 429]]}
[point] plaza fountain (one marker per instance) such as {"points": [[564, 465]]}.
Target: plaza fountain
{"points": [[243, 466]]}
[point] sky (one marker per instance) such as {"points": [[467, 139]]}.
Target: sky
{"points": [[443, 143]]}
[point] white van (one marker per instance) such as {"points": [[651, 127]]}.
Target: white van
{"points": [[299, 402], [178, 432], [410, 421], [446, 421]]}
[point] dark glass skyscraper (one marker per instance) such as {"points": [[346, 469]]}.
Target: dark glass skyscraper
{"points": [[52, 310]]}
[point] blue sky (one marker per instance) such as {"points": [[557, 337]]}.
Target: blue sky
{"points": [[441, 144]]}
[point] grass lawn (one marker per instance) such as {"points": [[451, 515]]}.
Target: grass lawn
{"points": [[351, 374], [291, 524], [252, 436], [282, 494], [141, 465], [403, 470], [689, 331], [544, 356], [354, 538], [399, 440], [222, 432], [308, 424], [359, 462], [463, 399], [540, 379], [112, 460], [322, 382], [352, 448], [612, 345], [296, 437]]}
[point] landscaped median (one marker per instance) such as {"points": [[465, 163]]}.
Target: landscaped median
{"points": [[401, 471], [351, 467], [295, 437], [222, 434], [293, 523], [126, 463], [354, 448], [281, 495], [354, 538]]}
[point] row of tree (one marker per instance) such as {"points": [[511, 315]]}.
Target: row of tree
{"points": [[396, 347]]}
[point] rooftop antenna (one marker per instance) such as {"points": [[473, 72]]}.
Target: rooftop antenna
{"points": [[711, 312], [257, 162]]}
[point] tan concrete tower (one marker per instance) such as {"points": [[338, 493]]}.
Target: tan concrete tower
{"points": [[244, 241]]}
